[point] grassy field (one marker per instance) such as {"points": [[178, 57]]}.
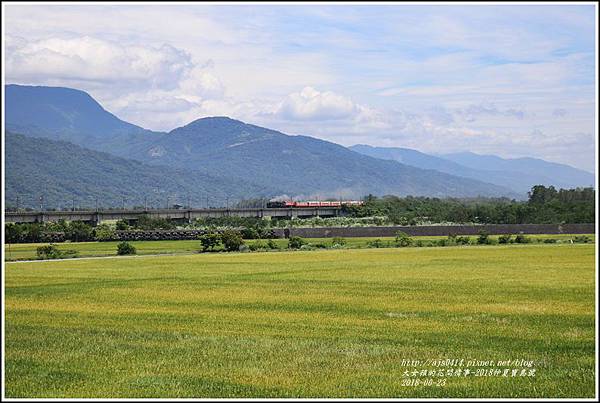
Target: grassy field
{"points": [[333, 323], [27, 251]]}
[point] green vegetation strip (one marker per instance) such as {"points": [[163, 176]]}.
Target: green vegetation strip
{"points": [[27, 251], [334, 323]]}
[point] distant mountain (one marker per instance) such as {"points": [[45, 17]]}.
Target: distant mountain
{"points": [[414, 158], [547, 173], [517, 174], [71, 115], [298, 166], [61, 171]]}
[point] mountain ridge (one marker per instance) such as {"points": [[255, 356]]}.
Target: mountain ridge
{"points": [[519, 174], [61, 171], [221, 146]]}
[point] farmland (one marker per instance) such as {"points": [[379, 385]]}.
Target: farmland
{"points": [[331, 323], [27, 251]]}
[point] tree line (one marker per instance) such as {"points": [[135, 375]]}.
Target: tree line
{"points": [[545, 205]]}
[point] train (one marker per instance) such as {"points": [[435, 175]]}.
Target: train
{"points": [[312, 203]]}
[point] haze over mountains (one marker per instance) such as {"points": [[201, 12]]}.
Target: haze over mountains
{"points": [[518, 174], [226, 158]]}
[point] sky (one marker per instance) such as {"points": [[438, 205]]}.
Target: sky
{"points": [[509, 80]]}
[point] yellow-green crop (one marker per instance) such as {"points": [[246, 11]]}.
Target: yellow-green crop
{"points": [[334, 323]]}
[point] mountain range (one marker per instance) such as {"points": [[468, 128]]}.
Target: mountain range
{"points": [[517, 174], [84, 149], [65, 173]]}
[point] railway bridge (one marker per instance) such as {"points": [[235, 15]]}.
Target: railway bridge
{"points": [[182, 215]]}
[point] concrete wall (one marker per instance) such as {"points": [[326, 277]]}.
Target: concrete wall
{"points": [[434, 230]]}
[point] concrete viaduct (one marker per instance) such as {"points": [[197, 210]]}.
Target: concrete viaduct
{"points": [[182, 215]]}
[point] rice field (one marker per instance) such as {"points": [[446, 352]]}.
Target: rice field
{"points": [[27, 251], [331, 323]]}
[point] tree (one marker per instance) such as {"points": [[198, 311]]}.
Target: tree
{"points": [[13, 233], [125, 248], [484, 238], [521, 238], [232, 240], [403, 239], [506, 238], [79, 231], [540, 194], [104, 232], [149, 223], [295, 242], [122, 225], [209, 240]]}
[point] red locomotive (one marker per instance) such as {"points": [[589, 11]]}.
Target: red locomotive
{"points": [[312, 203]]}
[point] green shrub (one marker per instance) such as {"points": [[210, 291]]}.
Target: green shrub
{"points": [[58, 226], [521, 238], [550, 240], [419, 243], [78, 231], [441, 242], [148, 223], [463, 240], [250, 233], [504, 239], [582, 239], [51, 251], [209, 240], [13, 233], [307, 247], [338, 241], [319, 245], [48, 252], [232, 240], [272, 244], [403, 240], [483, 238], [295, 242], [377, 243], [258, 245], [125, 248], [104, 232], [122, 225]]}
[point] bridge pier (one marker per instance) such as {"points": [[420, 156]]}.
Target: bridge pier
{"points": [[97, 219]]}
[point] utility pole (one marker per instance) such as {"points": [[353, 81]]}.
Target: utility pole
{"points": [[167, 202], [207, 201], [145, 203], [123, 204], [17, 202], [73, 204], [227, 202], [42, 203], [189, 206], [96, 204]]}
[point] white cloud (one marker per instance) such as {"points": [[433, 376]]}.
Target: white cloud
{"points": [[310, 104], [432, 78], [202, 83], [91, 59], [152, 86]]}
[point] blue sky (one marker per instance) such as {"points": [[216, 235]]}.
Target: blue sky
{"points": [[511, 80]]}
